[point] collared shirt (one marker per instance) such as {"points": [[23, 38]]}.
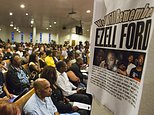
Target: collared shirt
{"points": [[22, 76], [17, 79], [35, 106], [66, 86]]}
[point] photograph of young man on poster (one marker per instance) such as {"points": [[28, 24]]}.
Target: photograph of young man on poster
{"points": [[136, 72], [99, 56], [110, 62], [126, 63]]}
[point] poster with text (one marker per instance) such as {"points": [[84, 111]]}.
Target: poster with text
{"points": [[120, 36]]}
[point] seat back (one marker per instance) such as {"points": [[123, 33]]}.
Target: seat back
{"points": [[21, 101]]}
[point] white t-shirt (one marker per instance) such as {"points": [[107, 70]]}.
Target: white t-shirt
{"points": [[66, 86]]}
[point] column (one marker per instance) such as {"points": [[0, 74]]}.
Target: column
{"points": [[34, 34]]}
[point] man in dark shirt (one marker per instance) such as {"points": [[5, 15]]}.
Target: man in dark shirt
{"points": [[17, 78], [76, 69]]}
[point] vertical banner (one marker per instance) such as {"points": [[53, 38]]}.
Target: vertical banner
{"points": [[40, 37], [12, 37], [22, 37], [31, 37], [49, 38], [120, 36]]}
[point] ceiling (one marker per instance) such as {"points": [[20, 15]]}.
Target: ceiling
{"points": [[45, 12]]}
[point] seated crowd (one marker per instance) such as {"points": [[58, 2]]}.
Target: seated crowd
{"points": [[54, 71]]}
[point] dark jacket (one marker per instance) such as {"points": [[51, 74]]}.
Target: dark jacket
{"points": [[13, 82], [58, 100]]}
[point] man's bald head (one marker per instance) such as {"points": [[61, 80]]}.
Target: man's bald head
{"points": [[39, 83], [42, 88]]}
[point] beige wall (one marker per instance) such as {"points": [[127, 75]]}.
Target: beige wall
{"points": [[45, 37], [60, 37], [5, 34], [69, 35]]}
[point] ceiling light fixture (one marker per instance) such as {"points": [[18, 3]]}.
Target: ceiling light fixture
{"points": [[10, 13], [88, 11], [11, 24], [17, 29], [47, 28], [32, 21], [22, 6], [26, 14], [55, 22], [50, 26], [14, 28], [0, 29]]}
